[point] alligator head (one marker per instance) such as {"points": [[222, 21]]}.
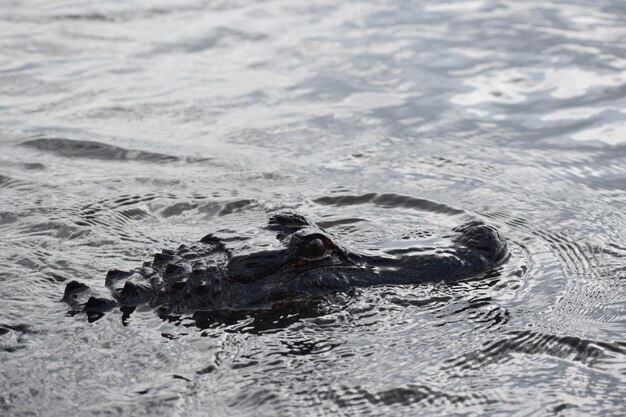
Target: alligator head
{"points": [[309, 262]]}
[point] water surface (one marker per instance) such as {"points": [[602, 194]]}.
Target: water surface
{"points": [[127, 127]]}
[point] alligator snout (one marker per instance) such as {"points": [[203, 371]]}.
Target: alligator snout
{"points": [[486, 239]]}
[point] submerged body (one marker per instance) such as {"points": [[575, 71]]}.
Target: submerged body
{"points": [[207, 276]]}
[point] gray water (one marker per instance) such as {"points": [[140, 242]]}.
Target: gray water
{"points": [[128, 128]]}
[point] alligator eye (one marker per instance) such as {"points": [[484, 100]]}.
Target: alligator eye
{"points": [[314, 248]]}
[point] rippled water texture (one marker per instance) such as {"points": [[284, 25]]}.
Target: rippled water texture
{"points": [[127, 128]]}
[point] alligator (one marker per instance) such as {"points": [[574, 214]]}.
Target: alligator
{"points": [[310, 262]]}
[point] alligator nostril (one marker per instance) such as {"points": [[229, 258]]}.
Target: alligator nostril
{"points": [[486, 249]]}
